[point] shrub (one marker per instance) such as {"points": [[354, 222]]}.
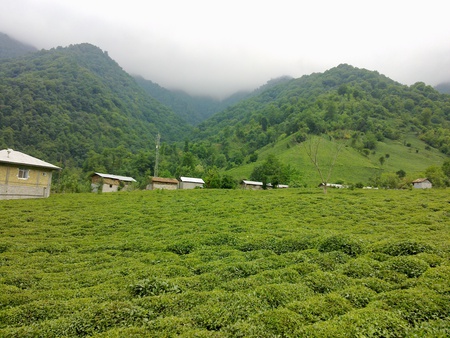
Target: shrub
{"points": [[292, 244], [152, 287], [376, 284], [225, 308], [418, 304], [361, 267], [276, 323], [359, 296], [404, 248], [345, 244], [410, 266], [436, 279], [367, 322], [320, 307], [276, 295], [181, 247], [323, 282]]}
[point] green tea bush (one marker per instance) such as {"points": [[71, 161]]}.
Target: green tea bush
{"points": [[280, 322], [431, 259], [346, 244], [292, 244], [275, 295], [181, 247], [284, 275], [418, 304], [152, 287], [410, 266], [261, 242], [361, 267], [404, 248], [436, 279], [376, 284], [434, 328], [324, 282], [359, 296], [320, 307], [305, 268], [367, 322], [224, 308]]}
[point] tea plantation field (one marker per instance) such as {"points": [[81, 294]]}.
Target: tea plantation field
{"points": [[218, 263]]}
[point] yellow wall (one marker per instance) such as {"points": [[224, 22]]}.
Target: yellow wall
{"points": [[36, 185]]}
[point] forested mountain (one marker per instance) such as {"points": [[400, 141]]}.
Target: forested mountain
{"points": [[10, 48], [75, 106], [345, 101], [195, 109], [444, 88]]}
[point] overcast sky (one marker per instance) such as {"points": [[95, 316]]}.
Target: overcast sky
{"points": [[217, 47]]}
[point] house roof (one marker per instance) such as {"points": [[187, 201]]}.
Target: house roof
{"points": [[16, 157], [164, 180], [420, 180], [116, 177], [192, 180], [252, 182]]}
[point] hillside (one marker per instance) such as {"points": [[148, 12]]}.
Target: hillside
{"points": [[443, 88], [196, 109], [69, 104], [11, 48], [212, 263], [372, 114]]}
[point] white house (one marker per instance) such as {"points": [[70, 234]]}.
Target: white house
{"points": [[190, 183], [24, 176], [421, 183]]}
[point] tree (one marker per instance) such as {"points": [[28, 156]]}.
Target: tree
{"points": [[436, 176], [312, 150], [271, 171]]}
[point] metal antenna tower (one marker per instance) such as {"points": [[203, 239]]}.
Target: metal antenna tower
{"points": [[155, 172]]}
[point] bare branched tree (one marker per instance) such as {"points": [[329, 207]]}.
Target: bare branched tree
{"points": [[312, 146]]}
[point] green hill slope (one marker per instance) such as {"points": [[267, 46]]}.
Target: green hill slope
{"points": [[65, 102], [374, 115]]}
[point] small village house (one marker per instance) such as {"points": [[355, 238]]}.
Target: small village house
{"points": [[251, 185], [163, 183], [24, 176], [421, 183], [110, 183], [190, 183]]}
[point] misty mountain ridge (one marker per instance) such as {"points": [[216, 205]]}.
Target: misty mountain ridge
{"points": [[195, 109], [11, 48], [77, 107], [443, 88]]}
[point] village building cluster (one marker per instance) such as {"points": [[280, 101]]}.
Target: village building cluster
{"points": [[24, 176]]}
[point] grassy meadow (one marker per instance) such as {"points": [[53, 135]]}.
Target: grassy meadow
{"points": [[227, 263], [351, 166]]}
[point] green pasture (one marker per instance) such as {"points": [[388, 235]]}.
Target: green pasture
{"points": [[351, 166], [227, 263]]}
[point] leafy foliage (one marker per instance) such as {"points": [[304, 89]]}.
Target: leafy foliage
{"points": [[219, 263]]}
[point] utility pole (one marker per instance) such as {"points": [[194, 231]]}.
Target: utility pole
{"points": [[155, 172]]}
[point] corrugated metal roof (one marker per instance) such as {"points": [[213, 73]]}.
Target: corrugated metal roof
{"points": [[192, 180], [164, 180], [252, 182], [420, 180], [18, 158], [116, 177]]}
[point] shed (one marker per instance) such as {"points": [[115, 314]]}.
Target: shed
{"points": [[163, 183], [190, 183], [421, 183], [251, 185], [110, 183], [24, 176]]}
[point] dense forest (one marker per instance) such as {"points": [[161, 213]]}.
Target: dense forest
{"points": [[78, 109], [75, 105]]}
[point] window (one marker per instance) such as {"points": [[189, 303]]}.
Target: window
{"points": [[24, 173]]}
